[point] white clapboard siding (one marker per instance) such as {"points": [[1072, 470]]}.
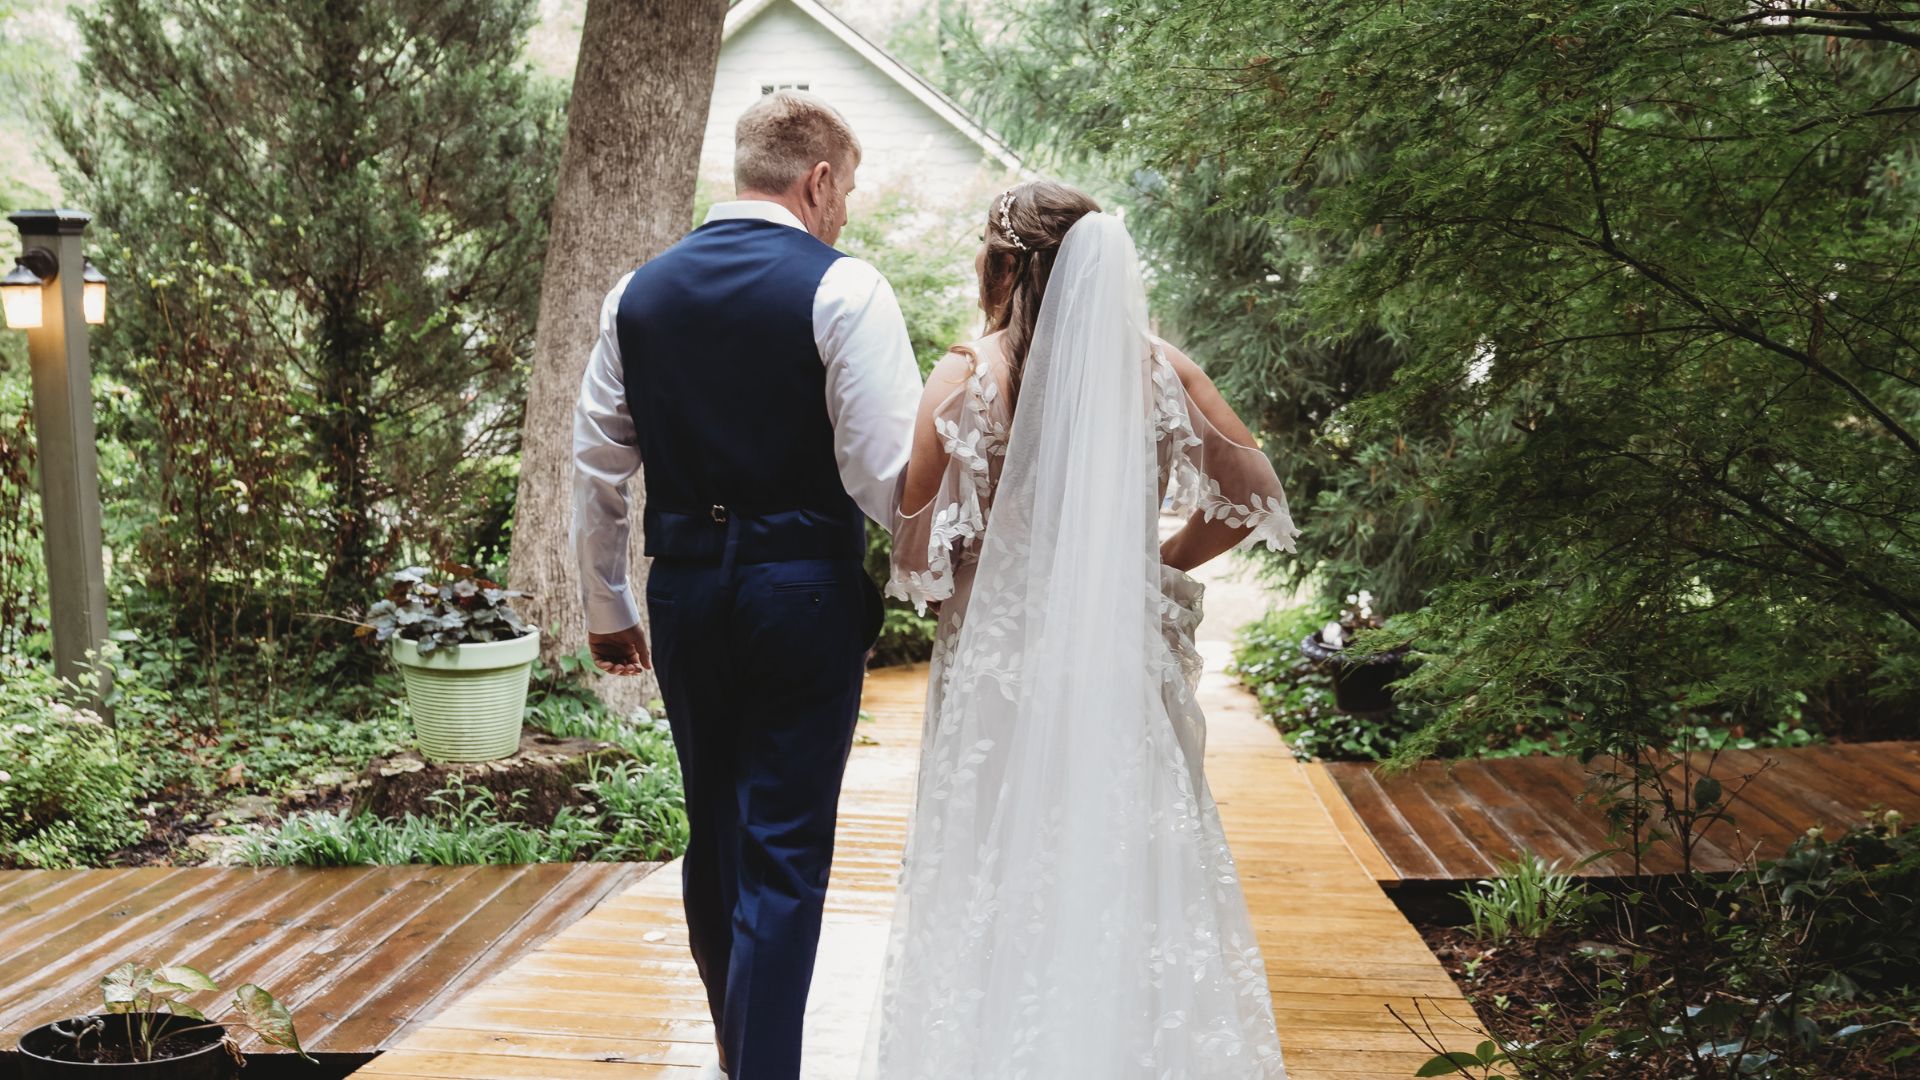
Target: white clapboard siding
{"points": [[911, 135]]}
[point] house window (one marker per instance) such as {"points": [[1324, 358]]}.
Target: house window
{"points": [[768, 88]]}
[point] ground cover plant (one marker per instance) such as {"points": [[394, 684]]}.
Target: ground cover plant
{"points": [[1803, 967]]}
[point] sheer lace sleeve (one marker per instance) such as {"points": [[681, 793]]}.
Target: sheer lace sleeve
{"points": [[1208, 472], [930, 544]]}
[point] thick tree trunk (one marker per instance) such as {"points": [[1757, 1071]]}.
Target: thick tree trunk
{"points": [[634, 126]]}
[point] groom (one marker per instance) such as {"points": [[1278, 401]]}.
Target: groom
{"points": [[765, 384]]}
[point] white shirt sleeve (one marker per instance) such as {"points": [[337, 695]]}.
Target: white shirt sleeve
{"points": [[873, 383], [606, 454]]}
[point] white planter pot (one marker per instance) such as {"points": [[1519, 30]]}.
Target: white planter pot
{"points": [[467, 701]]}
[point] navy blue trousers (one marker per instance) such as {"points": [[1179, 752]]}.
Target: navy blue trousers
{"points": [[761, 668]]}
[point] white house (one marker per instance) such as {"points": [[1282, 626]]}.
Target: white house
{"points": [[915, 138]]}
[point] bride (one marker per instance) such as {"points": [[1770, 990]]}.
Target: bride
{"points": [[1068, 907]]}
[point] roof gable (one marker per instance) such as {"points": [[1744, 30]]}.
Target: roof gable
{"points": [[941, 105]]}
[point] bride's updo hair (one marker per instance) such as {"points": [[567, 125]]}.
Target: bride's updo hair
{"points": [[1025, 225]]}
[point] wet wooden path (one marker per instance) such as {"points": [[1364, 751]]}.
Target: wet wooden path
{"points": [[1455, 821], [361, 954], [615, 997]]}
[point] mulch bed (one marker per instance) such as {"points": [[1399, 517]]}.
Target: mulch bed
{"points": [[1508, 983]]}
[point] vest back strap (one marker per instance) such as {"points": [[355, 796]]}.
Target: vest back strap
{"points": [[723, 534]]}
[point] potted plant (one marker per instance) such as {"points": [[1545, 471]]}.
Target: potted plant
{"points": [[149, 1032], [1360, 683], [465, 656]]}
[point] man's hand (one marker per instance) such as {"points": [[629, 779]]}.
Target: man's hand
{"points": [[621, 653]]}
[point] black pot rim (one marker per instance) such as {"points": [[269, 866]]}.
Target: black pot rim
{"points": [[217, 1033], [1316, 649]]}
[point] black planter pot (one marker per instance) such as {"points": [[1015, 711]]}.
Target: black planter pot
{"points": [[1358, 686], [200, 1058]]}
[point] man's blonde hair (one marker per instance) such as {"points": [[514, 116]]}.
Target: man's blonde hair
{"points": [[781, 137]]}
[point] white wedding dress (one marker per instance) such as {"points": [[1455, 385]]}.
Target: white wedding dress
{"points": [[1068, 908]]}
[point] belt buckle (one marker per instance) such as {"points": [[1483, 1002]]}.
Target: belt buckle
{"points": [[718, 513]]}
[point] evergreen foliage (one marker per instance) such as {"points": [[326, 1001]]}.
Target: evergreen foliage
{"points": [[324, 223], [1610, 307]]}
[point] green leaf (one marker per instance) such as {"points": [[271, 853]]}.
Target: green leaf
{"points": [[188, 977], [123, 986], [267, 1017], [1706, 792], [1449, 1064]]}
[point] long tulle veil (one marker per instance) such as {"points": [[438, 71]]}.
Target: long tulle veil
{"points": [[1064, 867]]}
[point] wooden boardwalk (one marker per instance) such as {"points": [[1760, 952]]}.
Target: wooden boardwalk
{"points": [[615, 995], [360, 954], [1454, 821]]}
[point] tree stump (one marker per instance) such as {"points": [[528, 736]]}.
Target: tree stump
{"points": [[543, 774]]}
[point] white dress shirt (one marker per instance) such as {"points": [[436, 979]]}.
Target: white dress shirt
{"points": [[873, 395]]}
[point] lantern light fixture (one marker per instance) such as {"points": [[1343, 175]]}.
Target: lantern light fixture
{"points": [[93, 299], [21, 293]]}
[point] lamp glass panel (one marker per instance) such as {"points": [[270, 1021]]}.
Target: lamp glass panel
{"points": [[22, 304], [93, 301]]}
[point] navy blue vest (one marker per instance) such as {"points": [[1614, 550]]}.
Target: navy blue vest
{"points": [[728, 395]]}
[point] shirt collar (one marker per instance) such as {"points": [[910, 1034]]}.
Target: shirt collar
{"points": [[753, 210]]}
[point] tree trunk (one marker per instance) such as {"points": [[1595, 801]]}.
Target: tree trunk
{"points": [[635, 123]]}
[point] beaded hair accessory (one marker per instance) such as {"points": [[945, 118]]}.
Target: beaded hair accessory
{"points": [[1006, 222]]}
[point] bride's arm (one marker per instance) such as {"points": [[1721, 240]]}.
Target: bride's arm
{"points": [[929, 461], [1200, 539]]}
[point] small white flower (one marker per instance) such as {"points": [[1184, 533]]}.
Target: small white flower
{"points": [[24, 729], [5, 776]]}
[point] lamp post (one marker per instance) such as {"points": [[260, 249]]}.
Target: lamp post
{"points": [[52, 293]]}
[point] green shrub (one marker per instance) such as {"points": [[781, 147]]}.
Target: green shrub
{"points": [[66, 790]]}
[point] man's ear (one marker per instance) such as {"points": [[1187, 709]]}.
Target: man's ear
{"points": [[820, 183]]}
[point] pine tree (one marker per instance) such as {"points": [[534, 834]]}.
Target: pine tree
{"points": [[342, 205]]}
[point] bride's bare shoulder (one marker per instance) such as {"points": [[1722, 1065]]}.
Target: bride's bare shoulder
{"points": [[982, 354], [1191, 376]]}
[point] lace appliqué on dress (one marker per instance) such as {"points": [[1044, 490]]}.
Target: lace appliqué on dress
{"points": [[932, 544], [1207, 472]]}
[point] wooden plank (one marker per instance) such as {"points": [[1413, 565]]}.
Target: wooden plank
{"points": [[313, 936], [225, 943], [1436, 780], [618, 984], [74, 899], [1353, 832], [1561, 792], [134, 930], [445, 932], [1841, 790], [1397, 838], [1895, 771], [1437, 829], [354, 937], [566, 904], [1525, 829]]}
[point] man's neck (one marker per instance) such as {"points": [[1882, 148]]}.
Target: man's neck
{"points": [[790, 202]]}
